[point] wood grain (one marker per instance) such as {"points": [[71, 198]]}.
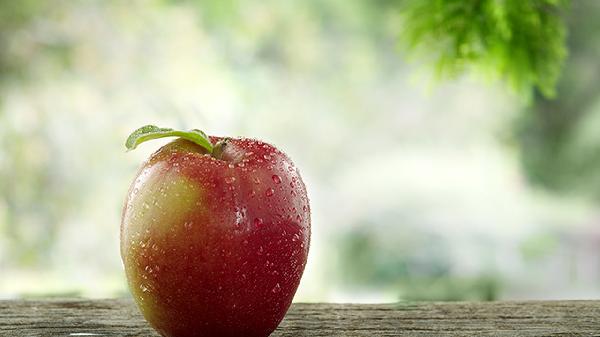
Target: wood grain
{"points": [[120, 317]]}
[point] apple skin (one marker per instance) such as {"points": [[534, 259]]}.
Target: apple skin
{"points": [[215, 247]]}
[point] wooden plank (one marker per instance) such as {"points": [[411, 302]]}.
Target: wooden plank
{"points": [[120, 317]]}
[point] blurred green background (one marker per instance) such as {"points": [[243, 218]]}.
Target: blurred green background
{"points": [[482, 186]]}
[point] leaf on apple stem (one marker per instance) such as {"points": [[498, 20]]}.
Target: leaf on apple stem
{"points": [[149, 132]]}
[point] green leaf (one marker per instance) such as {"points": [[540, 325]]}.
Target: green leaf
{"points": [[519, 41], [149, 132]]}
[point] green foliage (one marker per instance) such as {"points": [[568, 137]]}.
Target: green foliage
{"points": [[23, 38], [14, 15], [538, 246], [480, 288], [522, 42], [416, 263], [215, 13], [558, 139], [372, 258]]}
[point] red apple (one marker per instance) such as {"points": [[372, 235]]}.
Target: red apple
{"points": [[214, 238]]}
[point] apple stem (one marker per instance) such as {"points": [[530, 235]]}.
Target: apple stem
{"points": [[219, 148]]}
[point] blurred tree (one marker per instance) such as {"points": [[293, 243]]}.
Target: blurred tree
{"points": [[522, 42], [13, 15], [558, 140], [27, 176], [15, 52], [519, 41], [410, 260]]}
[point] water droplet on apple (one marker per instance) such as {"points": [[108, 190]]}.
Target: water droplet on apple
{"points": [[229, 180], [144, 288], [277, 288], [258, 222], [256, 180], [267, 157], [276, 179], [305, 208], [269, 192], [248, 154]]}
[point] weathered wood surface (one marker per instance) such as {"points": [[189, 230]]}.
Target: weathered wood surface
{"points": [[73, 317]]}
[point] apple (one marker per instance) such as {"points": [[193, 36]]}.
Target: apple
{"points": [[215, 235]]}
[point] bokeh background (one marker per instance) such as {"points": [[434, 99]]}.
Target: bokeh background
{"points": [[457, 190]]}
